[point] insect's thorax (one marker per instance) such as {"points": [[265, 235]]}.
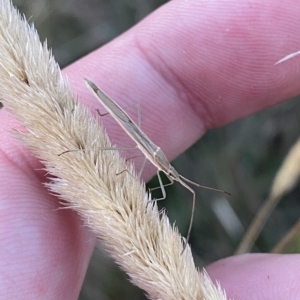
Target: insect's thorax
{"points": [[173, 173]]}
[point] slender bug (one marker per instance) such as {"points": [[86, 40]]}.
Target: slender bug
{"points": [[152, 152]]}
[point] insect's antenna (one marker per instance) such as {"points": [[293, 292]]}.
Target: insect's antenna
{"points": [[192, 213], [203, 186]]}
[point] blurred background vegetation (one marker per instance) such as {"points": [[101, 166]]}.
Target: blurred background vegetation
{"points": [[242, 157]]}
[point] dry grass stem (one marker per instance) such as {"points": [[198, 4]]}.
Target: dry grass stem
{"points": [[290, 243], [116, 208], [284, 181]]}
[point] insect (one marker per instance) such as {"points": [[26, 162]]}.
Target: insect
{"points": [[152, 152]]}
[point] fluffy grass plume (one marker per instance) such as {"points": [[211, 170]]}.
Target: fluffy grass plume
{"points": [[115, 207]]}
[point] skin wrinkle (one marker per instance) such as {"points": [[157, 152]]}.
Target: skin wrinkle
{"points": [[184, 95], [43, 232], [20, 164], [199, 109], [27, 164], [20, 156], [233, 23], [197, 106]]}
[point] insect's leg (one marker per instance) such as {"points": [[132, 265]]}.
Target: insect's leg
{"points": [[142, 167], [127, 159], [125, 170], [155, 153], [139, 123], [139, 115], [191, 222], [103, 148], [117, 148], [101, 115], [162, 186], [68, 151], [138, 110], [192, 213]]}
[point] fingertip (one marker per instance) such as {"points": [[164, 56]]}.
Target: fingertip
{"points": [[258, 276]]}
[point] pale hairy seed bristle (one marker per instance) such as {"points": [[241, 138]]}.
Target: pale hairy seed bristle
{"points": [[116, 208], [288, 57]]}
